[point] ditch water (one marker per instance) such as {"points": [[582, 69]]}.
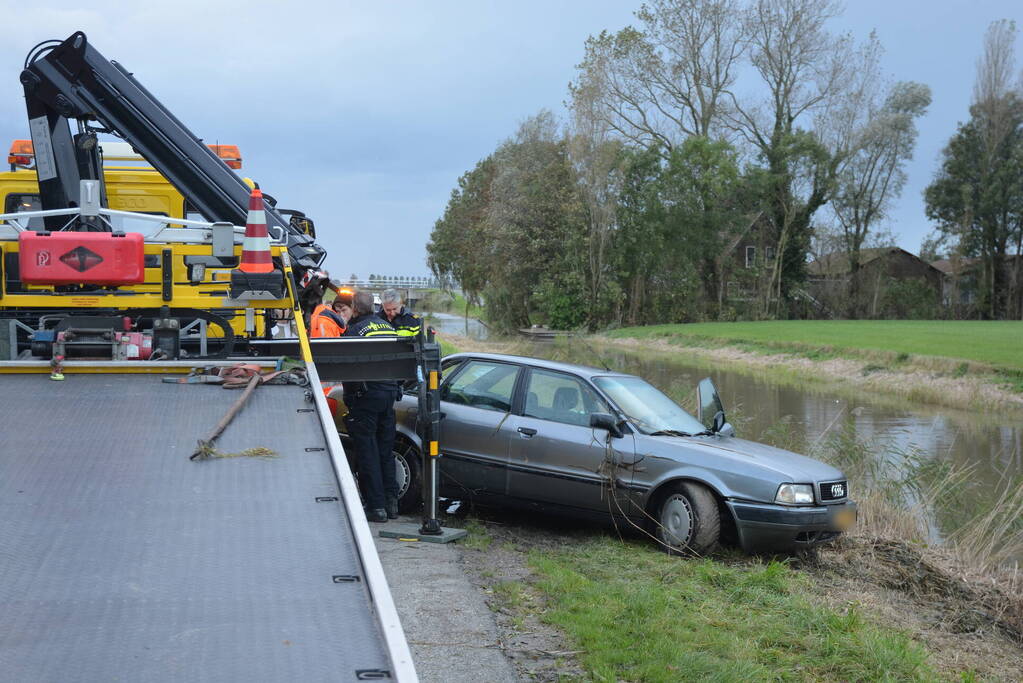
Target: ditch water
{"points": [[992, 447], [448, 323]]}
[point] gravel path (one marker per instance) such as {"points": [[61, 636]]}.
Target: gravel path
{"points": [[450, 628]]}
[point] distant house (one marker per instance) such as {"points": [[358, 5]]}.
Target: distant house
{"points": [[959, 284], [892, 283], [742, 263], [962, 278]]}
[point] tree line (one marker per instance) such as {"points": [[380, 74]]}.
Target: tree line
{"points": [[708, 124]]}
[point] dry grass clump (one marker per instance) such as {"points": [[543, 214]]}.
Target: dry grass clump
{"points": [[900, 495], [206, 451]]}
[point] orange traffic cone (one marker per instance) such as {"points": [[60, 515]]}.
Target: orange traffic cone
{"points": [[256, 247]]}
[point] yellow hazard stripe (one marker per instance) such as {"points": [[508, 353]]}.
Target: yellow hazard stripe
{"points": [[433, 379], [303, 337], [434, 448]]}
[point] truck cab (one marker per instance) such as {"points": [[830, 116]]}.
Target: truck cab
{"points": [[131, 182]]}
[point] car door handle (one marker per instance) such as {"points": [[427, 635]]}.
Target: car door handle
{"points": [[527, 431]]}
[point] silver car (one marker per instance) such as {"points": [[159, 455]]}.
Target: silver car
{"points": [[578, 440]]}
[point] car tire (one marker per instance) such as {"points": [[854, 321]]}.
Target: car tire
{"points": [[688, 521], [409, 468]]}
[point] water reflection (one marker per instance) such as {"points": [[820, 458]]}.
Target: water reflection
{"points": [[448, 323], [756, 406]]}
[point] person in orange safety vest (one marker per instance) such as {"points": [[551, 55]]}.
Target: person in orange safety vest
{"points": [[331, 320]]}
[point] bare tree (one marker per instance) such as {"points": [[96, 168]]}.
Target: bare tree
{"points": [[665, 82], [805, 74], [596, 156], [881, 140]]}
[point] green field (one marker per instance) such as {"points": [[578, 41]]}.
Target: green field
{"points": [[995, 343]]}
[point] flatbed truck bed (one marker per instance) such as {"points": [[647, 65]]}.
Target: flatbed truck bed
{"points": [[122, 559]]}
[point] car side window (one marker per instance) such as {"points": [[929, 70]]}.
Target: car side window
{"points": [[561, 398], [483, 384], [447, 368]]}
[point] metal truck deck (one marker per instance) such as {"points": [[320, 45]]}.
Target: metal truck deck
{"points": [[121, 559]]}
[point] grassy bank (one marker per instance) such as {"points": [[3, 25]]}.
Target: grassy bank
{"points": [[639, 615], [967, 365], [996, 344], [880, 605]]}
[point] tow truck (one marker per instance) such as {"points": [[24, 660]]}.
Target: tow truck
{"points": [[122, 556]]}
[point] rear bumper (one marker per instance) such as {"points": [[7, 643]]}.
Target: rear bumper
{"points": [[778, 528]]}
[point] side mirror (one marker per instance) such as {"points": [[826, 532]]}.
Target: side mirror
{"points": [[720, 426], [709, 406], [606, 421]]}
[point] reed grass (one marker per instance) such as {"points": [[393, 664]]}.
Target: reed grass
{"points": [[900, 495]]}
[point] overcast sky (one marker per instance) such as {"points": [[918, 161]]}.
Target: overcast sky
{"points": [[364, 114]]}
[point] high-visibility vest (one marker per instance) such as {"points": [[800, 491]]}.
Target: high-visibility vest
{"points": [[324, 322]]}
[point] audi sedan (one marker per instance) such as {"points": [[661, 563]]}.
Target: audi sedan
{"points": [[582, 441]]}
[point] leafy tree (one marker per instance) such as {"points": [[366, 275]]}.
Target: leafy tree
{"points": [[457, 250], [640, 241], [976, 197], [701, 189], [805, 71], [536, 231], [598, 163]]}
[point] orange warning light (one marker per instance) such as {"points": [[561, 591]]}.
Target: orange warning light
{"points": [[21, 153], [229, 153]]}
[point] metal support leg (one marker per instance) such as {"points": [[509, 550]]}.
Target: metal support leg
{"points": [[429, 425]]}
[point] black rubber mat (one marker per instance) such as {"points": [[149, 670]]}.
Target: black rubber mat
{"points": [[122, 560]]}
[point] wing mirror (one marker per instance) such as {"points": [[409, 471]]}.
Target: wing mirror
{"points": [[711, 413], [720, 426], [606, 421]]}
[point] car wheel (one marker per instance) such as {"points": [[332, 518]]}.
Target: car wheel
{"points": [[408, 472], [688, 520]]}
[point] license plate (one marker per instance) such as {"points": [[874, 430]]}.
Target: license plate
{"points": [[844, 519]]}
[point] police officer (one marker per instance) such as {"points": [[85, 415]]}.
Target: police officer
{"points": [[370, 420], [328, 320], [404, 323]]}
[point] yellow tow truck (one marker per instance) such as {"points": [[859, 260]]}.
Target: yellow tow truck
{"points": [[134, 554]]}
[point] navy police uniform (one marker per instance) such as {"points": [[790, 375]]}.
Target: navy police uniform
{"points": [[405, 324], [370, 424]]}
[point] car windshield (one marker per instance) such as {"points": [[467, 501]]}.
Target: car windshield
{"points": [[646, 407]]}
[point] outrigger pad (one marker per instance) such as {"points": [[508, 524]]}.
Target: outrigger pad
{"points": [[269, 286], [406, 531]]}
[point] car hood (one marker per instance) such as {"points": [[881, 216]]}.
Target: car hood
{"points": [[743, 455]]}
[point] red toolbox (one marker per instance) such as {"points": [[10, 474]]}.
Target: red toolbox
{"points": [[97, 258]]}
